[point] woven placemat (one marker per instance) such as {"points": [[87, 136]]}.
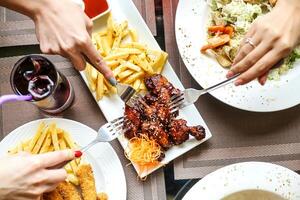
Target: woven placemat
{"points": [[15, 29], [84, 110], [240, 136]]}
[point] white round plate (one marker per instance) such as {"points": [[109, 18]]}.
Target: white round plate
{"points": [[106, 165], [191, 24], [247, 176]]}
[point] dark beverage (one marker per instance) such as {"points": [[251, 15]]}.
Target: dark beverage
{"points": [[36, 76]]}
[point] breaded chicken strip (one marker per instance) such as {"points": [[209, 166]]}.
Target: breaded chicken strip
{"points": [[68, 191], [54, 195], [102, 196], [87, 182]]}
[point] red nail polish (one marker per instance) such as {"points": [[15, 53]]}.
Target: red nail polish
{"points": [[78, 154]]}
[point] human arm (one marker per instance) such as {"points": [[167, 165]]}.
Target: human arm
{"points": [[62, 28]]}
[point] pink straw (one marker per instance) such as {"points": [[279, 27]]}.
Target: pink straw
{"points": [[14, 97]]}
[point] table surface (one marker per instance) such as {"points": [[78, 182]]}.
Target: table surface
{"points": [[160, 17]]}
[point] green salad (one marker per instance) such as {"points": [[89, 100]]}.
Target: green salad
{"points": [[239, 14]]}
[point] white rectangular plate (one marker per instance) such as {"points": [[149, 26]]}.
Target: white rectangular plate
{"points": [[112, 107]]}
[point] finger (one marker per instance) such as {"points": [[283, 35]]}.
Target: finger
{"points": [[50, 188], [243, 43], [247, 48], [249, 60], [90, 51], [54, 158], [77, 60], [23, 153], [89, 25], [56, 175], [260, 68], [263, 79]]}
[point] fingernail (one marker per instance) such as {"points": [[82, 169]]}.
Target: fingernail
{"points": [[238, 82], [229, 74], [263, 82], [78, 154], [112, 81]]}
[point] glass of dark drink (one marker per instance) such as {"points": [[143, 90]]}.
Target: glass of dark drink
{"points": [[36, 76]]}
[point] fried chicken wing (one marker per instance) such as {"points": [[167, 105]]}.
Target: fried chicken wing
{"points": [[152, 116], [87, 182], [132, 122], [155, 130], [197, 131], [179, 131]]}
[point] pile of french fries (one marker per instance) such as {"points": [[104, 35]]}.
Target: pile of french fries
{"points": [[129, 59], [50, 138]]}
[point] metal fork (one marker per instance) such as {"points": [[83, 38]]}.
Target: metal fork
{"points": [[124, 91], [108, 132], [191, 95]]}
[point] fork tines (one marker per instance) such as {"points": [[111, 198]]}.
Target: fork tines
{"points": [[176, 102], [115, 125]]}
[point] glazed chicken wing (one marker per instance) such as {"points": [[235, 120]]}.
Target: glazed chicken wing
{"points": [[151, 116]]}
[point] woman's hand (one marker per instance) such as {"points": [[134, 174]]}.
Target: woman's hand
{"points": [[62, 28], [273, 36], [26, 177]]}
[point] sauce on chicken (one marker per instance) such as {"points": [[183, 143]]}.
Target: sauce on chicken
{"points": [[151, 116]]}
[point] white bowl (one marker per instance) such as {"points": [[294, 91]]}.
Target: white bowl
{"points": [[247, 176]]}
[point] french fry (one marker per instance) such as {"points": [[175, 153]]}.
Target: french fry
{"points": [[68, 168], [25, 145], [124, 34], [119, 69], [102, 33], [110, 31], [46, 144], [100, 89], [133, 35], [132, 66], [20, 147], [74, 166], [13, 150], [128, 50], [62, 143], [135, 45], [133, 77], [106, 47], [113, 63], [117, 41], [36, 136], [51, 148], [69, 140], [116, 56], [109, 87], [40, 141], [125, 74], [91, 83], [136, 84], [160, 62], [143, 64], [143, 86], [99, 45], [73, 179], [54, 137]]}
